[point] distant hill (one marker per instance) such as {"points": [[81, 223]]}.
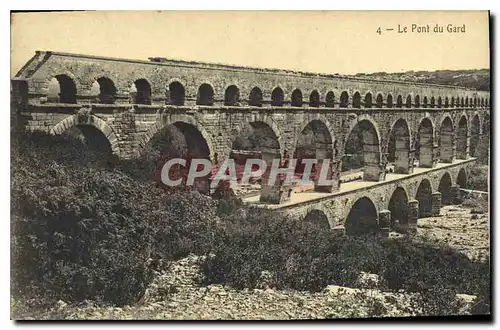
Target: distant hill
{"points": [[477, 79]]}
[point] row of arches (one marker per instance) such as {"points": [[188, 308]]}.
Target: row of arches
{"points": [[62, 89], [389, 102], [363, 216], [362, 149]]}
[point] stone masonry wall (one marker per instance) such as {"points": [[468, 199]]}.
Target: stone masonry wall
{"points": [[336, 207]]}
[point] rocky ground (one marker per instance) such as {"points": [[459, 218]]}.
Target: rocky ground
{"points": [[175, 294], [460, 228]]}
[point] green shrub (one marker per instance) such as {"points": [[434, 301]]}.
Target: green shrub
{"points": [[478, 178], [301, 256], [418, 267], [85, 226], [81, 239], [483, 150], [478, 205], [185, 223], [82, 229]]}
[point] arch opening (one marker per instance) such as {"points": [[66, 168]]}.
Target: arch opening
{"points": [[296, 98], [408, 101], [255, 98], [19, 92], [482, 149], [254, 137], [356, 100], [380, 101], [424, 148], [474, 135], [399, 102], [389, 101], [277, 97], [344, 100], [446, 139], [232, 96], [105, 91], [398, 205], [426, 102], [91, 137], [330, 100], [368, 100], [362, 151], [462, 138], [462, 179], [317, 219], [424, 197], [314, 142], [205, 95], [445, 189], [433, 101], [486, 125], [417, 101], [141, 92], [314, 99], [362, 218], [62, 89], [398, 149], [180, 140], [176, 93]]}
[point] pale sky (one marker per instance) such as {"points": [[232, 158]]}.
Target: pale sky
{"points": [[326, 42]]}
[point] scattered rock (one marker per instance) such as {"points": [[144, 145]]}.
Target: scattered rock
{"points": [[215, 288], [173, 305], [61, 304], [466, 301], [336, 289], [465, 298], [265, 280]]}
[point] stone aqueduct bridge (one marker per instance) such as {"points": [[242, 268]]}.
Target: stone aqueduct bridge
{"points": [[130, 101]]}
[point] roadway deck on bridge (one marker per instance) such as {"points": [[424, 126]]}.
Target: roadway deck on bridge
{"points": [[302, 197]]}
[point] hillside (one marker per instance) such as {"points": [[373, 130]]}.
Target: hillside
{"points": [[477, 79]]}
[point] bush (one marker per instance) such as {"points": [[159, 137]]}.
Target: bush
{"points": [[82, 229], [185, 223], [419, 267], [483, 150], [478, 178], [478, 205], [81, 239], [300, 256], [86, 226]]}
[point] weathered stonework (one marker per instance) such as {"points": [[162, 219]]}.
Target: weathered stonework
{"points": [[336, 207], [426, 126]]}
